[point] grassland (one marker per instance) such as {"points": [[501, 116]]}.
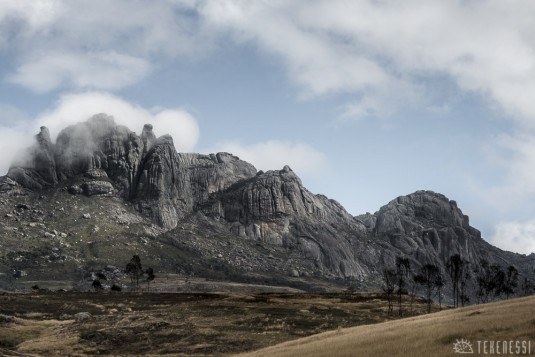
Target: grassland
{"points": [[426, 335], [176, 324]]}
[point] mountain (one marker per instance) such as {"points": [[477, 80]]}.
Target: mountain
{"points": [[102, 193]]}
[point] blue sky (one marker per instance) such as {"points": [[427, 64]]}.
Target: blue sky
{"points": [[365, 100]]}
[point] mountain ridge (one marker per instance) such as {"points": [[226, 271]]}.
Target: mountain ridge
{"points": [[303, 234]]}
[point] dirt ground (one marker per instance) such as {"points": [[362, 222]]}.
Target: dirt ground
{"points": [[175, 324]]}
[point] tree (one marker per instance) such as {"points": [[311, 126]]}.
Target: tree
{"points": [[97, 285], [455, 267], [458, 270], [465, 277], [403, 268], [412, 293], [439, 283], [498, 280], [389, 285], [150, 277], [134, 270], [430, 278], [490, 280], [510, 282], [527, 287]]}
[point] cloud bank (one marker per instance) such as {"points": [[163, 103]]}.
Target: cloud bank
{"points": [[383, 53], [381, 57]]}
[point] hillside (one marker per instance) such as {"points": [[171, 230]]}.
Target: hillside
{"points": [[102, 193], [426, 335]]}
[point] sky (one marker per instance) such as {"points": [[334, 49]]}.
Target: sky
{"points": [[366, 100]]}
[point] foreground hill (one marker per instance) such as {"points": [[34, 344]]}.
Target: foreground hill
{"points": [[428, 335], [102, 193]]}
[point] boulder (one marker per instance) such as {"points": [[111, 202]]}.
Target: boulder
{"points": [[98, 188]]}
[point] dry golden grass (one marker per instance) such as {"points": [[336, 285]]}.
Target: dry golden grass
{"points": [[427, 335]]}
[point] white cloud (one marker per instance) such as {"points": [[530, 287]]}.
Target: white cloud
{"points": [[369, 46], [378, 51], [74, 108], [515, 236], [102, 70], [96, 44], [275, 154], [15, 133], [18, 130]]}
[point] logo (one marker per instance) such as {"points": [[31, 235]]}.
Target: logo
{"points": [[463, 346], [493, 347]]}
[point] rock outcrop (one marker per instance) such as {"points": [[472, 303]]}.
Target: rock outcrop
{"points": [[111, 159], [36, 167], [273, 208]]}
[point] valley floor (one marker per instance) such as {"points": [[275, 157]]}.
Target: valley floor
{"points": [[176, 324]]}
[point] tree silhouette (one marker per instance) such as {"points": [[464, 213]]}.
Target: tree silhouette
{"points": [[465, 277], [389, 284], [490, 281], [430, 278], [97, 285], [455, 268], [150, 277], [511, 281], [134, 270], [527, 287], [403, 268]]}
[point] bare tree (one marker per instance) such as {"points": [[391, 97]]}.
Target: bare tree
{"points": [[455, 267], [429, 277], [510, 282], [403, 268], [439, 283], [490, 281], [389, 285], [134, 270], [464, 279], [150, 277], [527, 287]]}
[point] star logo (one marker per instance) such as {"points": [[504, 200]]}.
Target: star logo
{"points": [[463, 346]]}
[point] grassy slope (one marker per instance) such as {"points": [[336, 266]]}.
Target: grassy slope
{"points": [[427, 335]]}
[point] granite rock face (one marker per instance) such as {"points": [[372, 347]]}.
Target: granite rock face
{"points": [[275, 208], [36, 168], [316, 235], [164, 184]]}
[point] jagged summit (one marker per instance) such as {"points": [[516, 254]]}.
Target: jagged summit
{"points": [[304, 234]]}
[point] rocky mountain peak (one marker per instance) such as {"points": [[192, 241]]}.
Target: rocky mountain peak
{"points": [[312, 232], [144, 169], [148, 137], [420, 207]]}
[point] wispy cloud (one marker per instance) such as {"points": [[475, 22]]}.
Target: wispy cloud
{"points": [[378, 52], [102, 70], [57, 44], [515, 236], [275, 154], [15, 134], [368, 46]]}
